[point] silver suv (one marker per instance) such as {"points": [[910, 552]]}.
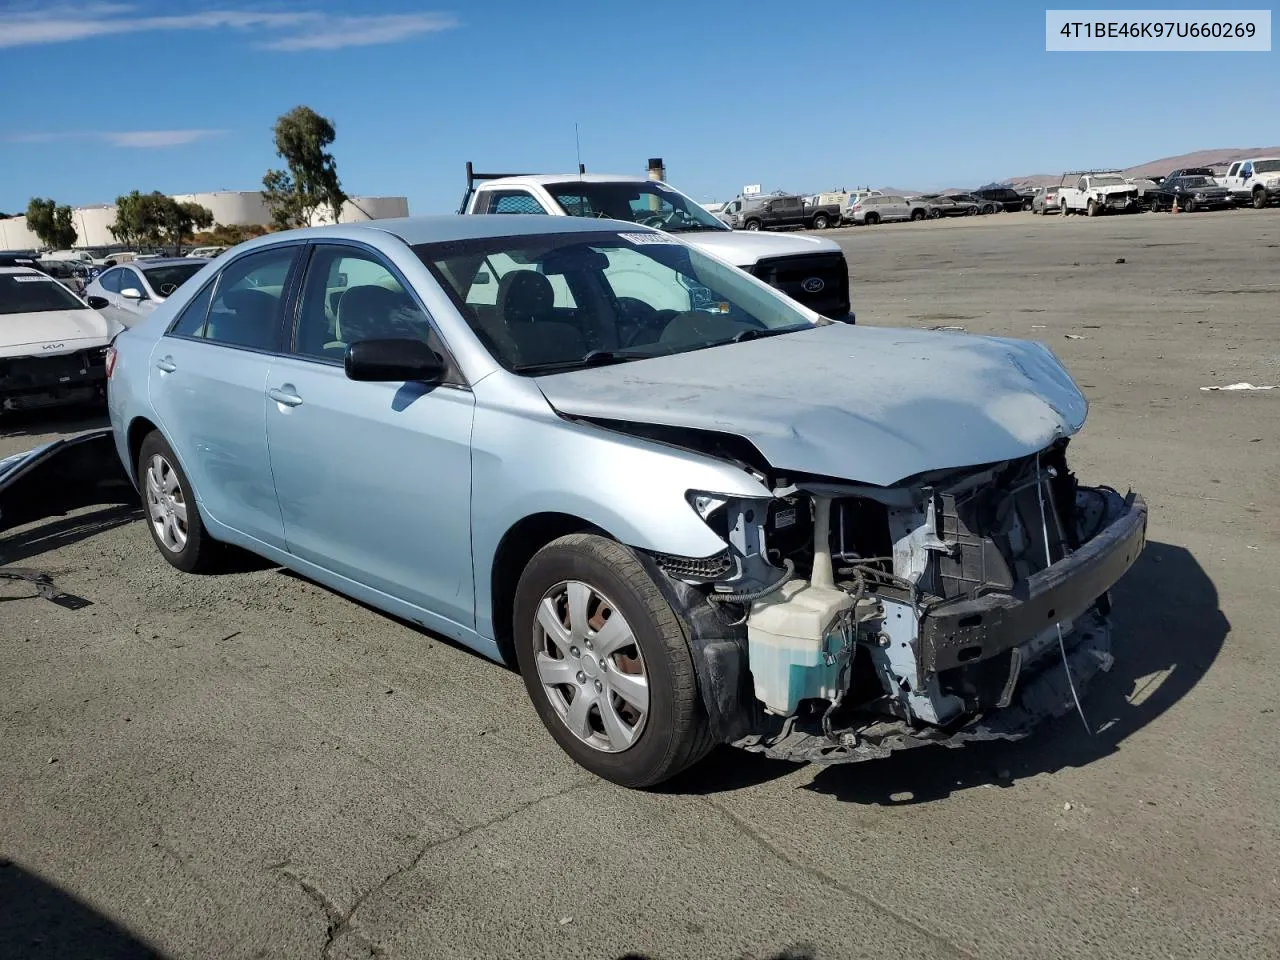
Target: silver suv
{"points": [[873, 210]]}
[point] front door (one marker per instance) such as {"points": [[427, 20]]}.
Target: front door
{"points": [[208, 387], [373, 479]]}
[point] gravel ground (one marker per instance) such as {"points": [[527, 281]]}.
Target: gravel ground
{"points": [[248, 765]]}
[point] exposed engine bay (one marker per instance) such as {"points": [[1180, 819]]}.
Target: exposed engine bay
{"points": [[844, 621]]}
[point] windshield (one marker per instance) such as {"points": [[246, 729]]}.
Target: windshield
{"points": [[35, 293], [554, 302], [1108, 182], [165, 280], [1194, 182], [652, 204], [1266, 166]]}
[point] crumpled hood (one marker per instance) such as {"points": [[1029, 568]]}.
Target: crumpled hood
{"points": [[51, 332], [868, 404], [746, 248]]}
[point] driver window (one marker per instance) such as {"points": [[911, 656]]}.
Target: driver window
{"points": [[350, 295]]}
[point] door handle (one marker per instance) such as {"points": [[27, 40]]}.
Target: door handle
{"points": [[285, 395], [167, 365]]}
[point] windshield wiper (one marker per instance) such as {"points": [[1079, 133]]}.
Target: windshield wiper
{"points": [[594, 358], [753, 333]]}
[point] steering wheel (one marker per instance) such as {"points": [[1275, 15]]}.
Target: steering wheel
{"points": [[657, 220], [644, 323]]}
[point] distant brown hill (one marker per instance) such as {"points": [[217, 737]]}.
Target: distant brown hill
{"points": [[1219, 159]]}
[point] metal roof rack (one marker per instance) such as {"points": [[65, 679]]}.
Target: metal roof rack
{"points": [[473, 177]]}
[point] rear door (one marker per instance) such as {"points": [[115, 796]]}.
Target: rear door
{"points": [[208, 387], [373, 479]]}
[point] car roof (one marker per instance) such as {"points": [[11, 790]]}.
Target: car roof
{"points": [[545, 178], [21, 270], [447, 229], [163, 262]]}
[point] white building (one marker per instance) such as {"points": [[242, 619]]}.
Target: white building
{"points": [[229, 207]]}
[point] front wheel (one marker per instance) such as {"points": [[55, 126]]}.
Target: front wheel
{"points": [[1259, 198], [752, 225], [606, 662], [1092, 209], [1189, 205], [173, 518]]}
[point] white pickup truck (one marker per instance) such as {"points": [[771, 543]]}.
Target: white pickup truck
{"points": [[1097, 191], [810, 270], [1255, 181]]}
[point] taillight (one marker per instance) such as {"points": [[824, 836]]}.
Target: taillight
{"points": [[111, 361]]}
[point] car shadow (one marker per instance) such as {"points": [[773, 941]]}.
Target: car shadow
{"points": [[65, 531], [58, 420], [40, 921], [1168, 630]]}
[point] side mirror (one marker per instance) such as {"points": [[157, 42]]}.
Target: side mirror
{"points": [[393, 361], [98, 303], [131, 293]]}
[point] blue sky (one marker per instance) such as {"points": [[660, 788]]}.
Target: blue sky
{"points": [[105, 97]]}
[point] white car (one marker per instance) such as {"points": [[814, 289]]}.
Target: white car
{"points": [[811, 270], [128, 292], [205, 253], [52, 345]]}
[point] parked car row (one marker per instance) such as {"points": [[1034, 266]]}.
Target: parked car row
{"points": [[1254, 182]]}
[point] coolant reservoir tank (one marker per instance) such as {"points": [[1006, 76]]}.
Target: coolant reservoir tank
{"points": [[794, 644]]}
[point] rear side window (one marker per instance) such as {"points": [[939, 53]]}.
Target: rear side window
{"points": [[191, 319], [509, 201], [247, 305]]}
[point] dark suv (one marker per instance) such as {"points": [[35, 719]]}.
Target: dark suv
{"points": [[1005, 197]]}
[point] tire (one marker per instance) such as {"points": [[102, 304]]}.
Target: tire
{"points": [[1259, 198], [1026, 205], [1093, 208], [752, 225], [917, 214], [820, 222], [935, 214], [971, 212], [1190, 205], [672, 734], [871, 219], [166, 497]]}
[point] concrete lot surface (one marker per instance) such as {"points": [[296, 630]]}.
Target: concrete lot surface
{"points": [[248, 765]]}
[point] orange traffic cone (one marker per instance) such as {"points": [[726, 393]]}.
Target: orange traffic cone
{"points": [[1174, 208]]}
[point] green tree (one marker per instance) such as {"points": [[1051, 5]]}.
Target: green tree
{"points": [[181, 221], [154, 220], [311, 178], [51, 223]]}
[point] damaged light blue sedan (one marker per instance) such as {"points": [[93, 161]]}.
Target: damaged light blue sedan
{"points": [[690, 510]]}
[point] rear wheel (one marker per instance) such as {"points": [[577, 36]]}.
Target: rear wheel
{"points": [[606, 662], [872, 219], [820, 222], [173, 517]]}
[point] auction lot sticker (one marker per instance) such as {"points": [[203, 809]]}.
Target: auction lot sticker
{"points": [[1155, 31]]}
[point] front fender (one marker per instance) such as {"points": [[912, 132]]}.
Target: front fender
{"points": [[529, 461]]}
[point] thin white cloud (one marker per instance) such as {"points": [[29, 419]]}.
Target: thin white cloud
{"points": [[296, 30], [331, 33], [121, 138]]}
